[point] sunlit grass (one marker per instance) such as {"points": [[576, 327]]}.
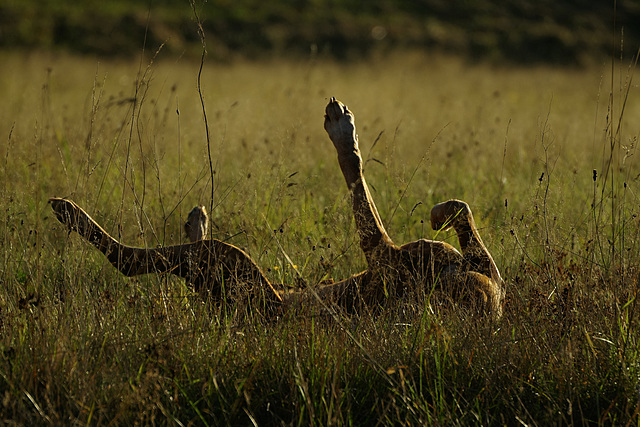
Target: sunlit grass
{"points": [[81, 342]]}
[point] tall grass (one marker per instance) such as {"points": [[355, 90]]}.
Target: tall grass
{"points": [[80, 343]]}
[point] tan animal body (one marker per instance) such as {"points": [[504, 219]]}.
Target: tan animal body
{"points": [[471, 277], [223, 272]]}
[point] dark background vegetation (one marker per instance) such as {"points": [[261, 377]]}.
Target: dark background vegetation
{"points": [[520, 31]]}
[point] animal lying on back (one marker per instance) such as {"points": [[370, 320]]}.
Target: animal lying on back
{"points": [[225, 273], [470, 278]]}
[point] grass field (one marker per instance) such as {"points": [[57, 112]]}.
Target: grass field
{"points": [[545, 157]]}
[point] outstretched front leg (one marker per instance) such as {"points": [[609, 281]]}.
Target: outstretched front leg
{"points": [[129, 260], [215, 268]]}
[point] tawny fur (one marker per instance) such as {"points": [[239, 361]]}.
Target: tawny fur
{"points": [[221, 271], [217, 270], [471, 277], [197, 224]]}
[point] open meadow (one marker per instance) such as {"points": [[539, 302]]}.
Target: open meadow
{"points": [[546, 158]]}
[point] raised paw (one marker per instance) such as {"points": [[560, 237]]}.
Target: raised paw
{"points": [[197, 224], [339, 123], [444, 214]]}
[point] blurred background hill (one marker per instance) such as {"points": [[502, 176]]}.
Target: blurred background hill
{"points": [[518, 31]]}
